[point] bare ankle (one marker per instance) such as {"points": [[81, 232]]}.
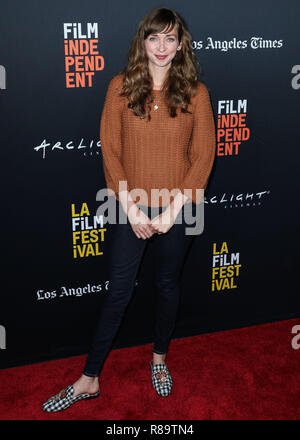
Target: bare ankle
{"points": [[159, 358], [89, 378]]}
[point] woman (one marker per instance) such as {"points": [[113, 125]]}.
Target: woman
{"points": [[158, 143]]}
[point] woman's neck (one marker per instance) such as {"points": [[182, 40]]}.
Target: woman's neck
{"points": [[158, 76]]}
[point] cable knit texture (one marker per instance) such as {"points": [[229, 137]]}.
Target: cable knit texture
{"points": [[166, 154]]}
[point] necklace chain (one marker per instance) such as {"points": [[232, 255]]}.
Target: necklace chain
{"points": [[155, 106]]}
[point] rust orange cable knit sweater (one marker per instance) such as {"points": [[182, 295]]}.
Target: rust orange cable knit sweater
{"points": [[164, 154]]}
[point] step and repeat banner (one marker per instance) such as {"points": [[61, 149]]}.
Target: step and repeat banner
{"points": [[56, 61]]}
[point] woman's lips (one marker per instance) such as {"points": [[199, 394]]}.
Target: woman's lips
{"points": [[161, 57]]}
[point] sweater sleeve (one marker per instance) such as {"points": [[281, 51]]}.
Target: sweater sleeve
{"points": [[111, 137], [203, 145]]}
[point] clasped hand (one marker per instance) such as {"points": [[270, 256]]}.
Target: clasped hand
{"points": [[144, 227]]}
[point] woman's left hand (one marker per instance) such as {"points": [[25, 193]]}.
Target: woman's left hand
{"points": [[164, 221]]}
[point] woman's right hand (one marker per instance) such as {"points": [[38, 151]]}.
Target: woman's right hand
{"points": [[140, 223]]}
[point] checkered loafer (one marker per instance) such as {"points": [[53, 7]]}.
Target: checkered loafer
{"points": [[64, 399], [161, 379]]}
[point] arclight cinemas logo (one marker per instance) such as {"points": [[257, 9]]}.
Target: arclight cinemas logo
{"points": [[82, 58], [238, 200]]}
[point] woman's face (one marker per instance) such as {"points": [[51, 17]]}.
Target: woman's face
{"points": [[161, 48]]}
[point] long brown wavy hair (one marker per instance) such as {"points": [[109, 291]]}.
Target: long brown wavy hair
{"points": [[182, 77]]}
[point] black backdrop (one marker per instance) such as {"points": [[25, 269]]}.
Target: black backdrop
{"points": [[51, 168]]}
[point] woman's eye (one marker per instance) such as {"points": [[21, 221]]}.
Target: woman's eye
{"points": [[153, 38]]}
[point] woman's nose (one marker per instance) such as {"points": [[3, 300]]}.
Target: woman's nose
{"points": [[161, 46]]}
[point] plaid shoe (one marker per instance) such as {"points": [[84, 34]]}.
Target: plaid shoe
{"points": [[161, 379], [64, 399]]}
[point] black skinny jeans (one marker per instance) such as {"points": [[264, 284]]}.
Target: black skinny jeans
{"points": [[124, 257]]}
